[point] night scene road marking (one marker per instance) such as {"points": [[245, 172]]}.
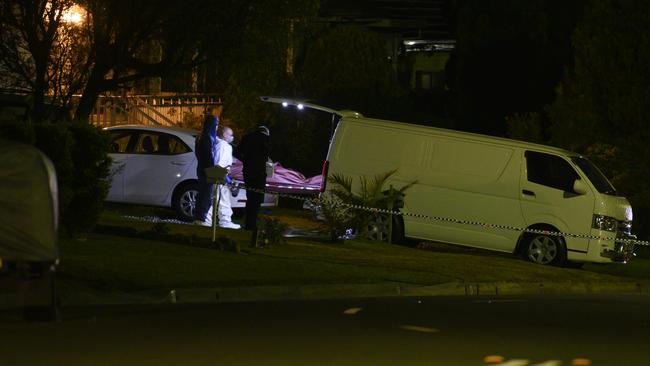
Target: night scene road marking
{"points": [[352, 311], [416, 328]]}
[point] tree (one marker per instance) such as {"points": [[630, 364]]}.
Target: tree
{"points": [[30, 42], [347, 67], [257, 59], [510, 55], [124, 33], [602, 105], [117, 43]]}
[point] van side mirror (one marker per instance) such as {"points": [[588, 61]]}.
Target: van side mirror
{"points": [[580, 187]]}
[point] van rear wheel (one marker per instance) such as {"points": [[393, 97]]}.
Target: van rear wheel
{"points": [[378, 228], [545, 249]]}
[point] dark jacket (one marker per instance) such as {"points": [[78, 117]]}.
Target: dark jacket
{"points": [[205, 144], [253, 151]]}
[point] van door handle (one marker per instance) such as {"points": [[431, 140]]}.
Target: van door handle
{"points": [[528, 193], [179, 163]]}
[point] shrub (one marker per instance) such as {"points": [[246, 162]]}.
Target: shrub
{"points": [[270, 232], [525, 127], [371, 193], [338, 216], [79, 154]]}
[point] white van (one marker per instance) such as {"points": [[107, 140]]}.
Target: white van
{"points": [[486, 179]]}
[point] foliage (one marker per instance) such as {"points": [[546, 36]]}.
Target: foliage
{"points": [[602, 105], [509, 56], [79, 154], [109, 48], [363, 81], [37, 46], [338, 216], [270, 232], [525, 127], [371, 193], [255, 60]]}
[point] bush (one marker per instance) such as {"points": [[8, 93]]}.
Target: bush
{"points": [[79, 154], [340, 216], [270, 232], [525, 127]]}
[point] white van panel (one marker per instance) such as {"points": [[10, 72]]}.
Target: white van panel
{"points": [[456, 179]]}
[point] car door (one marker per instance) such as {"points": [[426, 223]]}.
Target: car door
{"points": [[121, 144], [158, 162], [547, 196]]}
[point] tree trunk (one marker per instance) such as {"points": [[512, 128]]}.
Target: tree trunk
{"points": [[37, 113], [89, 95], [86, 105]]}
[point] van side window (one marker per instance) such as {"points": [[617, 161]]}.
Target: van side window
{"points": [[550, 170]]}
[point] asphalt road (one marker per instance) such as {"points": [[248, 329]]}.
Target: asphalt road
{"points": [[512, 331]]}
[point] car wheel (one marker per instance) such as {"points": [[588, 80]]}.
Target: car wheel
{"points": [[184, 201], [378, 228], [546, 250]]}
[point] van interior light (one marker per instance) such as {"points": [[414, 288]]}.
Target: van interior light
{"points": [[284, 104], [300, 106]]}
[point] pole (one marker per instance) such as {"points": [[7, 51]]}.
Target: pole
{"points": [[390, 218], [215, 207]]}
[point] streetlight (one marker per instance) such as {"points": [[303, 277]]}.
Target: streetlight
{"points": [[74, 15]]}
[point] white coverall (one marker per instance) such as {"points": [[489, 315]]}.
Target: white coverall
{"points": [[222, 158]]}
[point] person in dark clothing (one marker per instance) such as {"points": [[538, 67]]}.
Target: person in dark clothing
{"points": [[204, 149], [253, 151]]}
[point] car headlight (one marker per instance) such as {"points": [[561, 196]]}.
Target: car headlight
{"points": [[605, 223]]}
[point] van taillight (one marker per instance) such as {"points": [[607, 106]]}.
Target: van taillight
{"points": [[323, 183]]}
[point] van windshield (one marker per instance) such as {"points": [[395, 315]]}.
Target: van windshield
{"points": [[594, 174]]}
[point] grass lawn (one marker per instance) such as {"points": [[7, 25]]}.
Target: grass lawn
{"points": [[119, 257]]}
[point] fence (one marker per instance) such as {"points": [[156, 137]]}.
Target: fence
{"points": [[155, 110]]}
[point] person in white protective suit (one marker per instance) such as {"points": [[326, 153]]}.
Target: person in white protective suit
{"points": [[223, 158]]}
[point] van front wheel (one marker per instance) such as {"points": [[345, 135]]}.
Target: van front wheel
{"points": [[545, 249]]}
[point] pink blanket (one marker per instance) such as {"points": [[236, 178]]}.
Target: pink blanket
{"points": [[283, 180]]}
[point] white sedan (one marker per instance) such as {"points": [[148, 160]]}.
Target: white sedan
{"points": [[157, 166]]}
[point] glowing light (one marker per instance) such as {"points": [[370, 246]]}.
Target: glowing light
{"points": [[410, 43], [300, 106], [493, 359], [75, 15], [581, 362], [284, 104], [178, 175]]}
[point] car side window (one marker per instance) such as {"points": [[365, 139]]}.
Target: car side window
{"points": [[550, 170], [176, 146], [160, 144], [120, 141], [146, 143]]}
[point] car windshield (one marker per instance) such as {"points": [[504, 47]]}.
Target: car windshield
{"points": [[594, 174]]}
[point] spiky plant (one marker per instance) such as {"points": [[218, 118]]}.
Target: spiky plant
{"points": [[371, 193]]}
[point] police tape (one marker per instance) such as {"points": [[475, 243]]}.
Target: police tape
{"points": [[321, 199]]}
